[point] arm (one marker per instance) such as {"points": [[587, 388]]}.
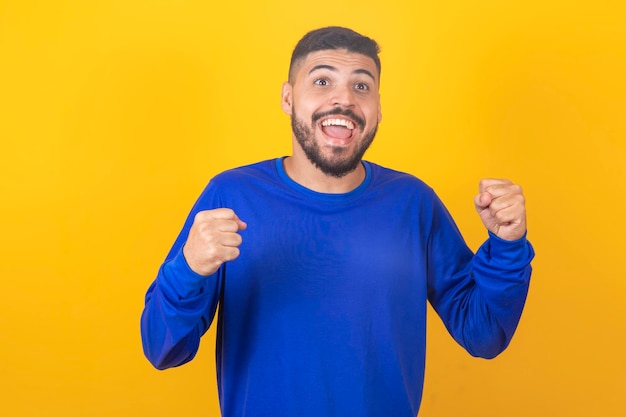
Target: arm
{"points": [[181, 302], [179, 307], [480, 297]]}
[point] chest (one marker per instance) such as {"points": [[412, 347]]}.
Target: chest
{"points": [[310, 253]]}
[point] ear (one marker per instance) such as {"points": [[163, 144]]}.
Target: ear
{"points": [[286, 101], [380, 114]]}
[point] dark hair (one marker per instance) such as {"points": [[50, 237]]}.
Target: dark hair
{"points": [[334, 37]]}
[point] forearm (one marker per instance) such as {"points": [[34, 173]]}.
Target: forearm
{"points": [[501, 272], [480, 298], [179, 308]]}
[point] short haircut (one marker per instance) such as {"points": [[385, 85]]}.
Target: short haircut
{"points": [[334, 37]]}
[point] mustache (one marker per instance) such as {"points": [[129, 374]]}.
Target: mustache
{"points": [[360, 122]]}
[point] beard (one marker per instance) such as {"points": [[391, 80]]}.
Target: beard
{"points": [[342, 162]]}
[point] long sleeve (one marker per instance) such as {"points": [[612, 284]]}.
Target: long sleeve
{"points": [[177, 313], [479, 297], [180, 304]]}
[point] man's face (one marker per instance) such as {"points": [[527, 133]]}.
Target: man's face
{"points": [[334, 105]]}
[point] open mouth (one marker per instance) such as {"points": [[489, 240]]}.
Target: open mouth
{"points": [[338, 130]]}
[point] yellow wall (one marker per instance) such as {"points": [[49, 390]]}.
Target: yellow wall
{"points": [[114, 114]]}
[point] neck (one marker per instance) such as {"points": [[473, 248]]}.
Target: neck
{"points": [[302, 171]]}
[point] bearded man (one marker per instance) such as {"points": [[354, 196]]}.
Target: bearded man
{"points": [[321, 264]]}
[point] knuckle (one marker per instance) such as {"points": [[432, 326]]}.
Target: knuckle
{"points": [[517, 189], [223, 212], [200, 216], [211, 252], [229, 255], [500, 217], [206, 231]]}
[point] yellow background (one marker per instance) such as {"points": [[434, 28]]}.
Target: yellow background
{"points": [[114, 114]]}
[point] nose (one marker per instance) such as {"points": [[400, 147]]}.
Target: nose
{"points": [[342, 95]]}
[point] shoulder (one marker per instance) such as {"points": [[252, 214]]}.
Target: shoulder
{"points": [[245, 182], [239, 177], [390, 179], [258, 175], [258, 170]]}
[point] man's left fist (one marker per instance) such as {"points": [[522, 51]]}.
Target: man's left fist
{"points": [[501, 206]]}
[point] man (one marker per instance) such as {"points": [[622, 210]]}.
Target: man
{"points": [[322, 263]]}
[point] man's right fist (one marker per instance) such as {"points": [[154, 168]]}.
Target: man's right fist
{"points": [[213, 240]]}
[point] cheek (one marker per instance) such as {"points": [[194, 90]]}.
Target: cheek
{"points": [[373, 116], [310, 99], [303, 112], [371, 110]]}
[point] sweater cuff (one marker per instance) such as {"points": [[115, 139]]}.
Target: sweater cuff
{"points": [[509, 254], [180, 279]]}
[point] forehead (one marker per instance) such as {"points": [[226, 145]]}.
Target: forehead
{"points": [[339, 60]]}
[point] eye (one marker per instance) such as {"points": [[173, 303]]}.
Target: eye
{"points": [[321, 81], [362, 86]]}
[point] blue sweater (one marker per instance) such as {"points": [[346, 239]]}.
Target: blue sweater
{"points": [[324, 312]]}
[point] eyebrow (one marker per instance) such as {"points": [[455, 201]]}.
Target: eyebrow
{"points": [[331, 68]]}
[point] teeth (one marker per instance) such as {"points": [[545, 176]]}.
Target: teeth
{"points": [[338, 122]]}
